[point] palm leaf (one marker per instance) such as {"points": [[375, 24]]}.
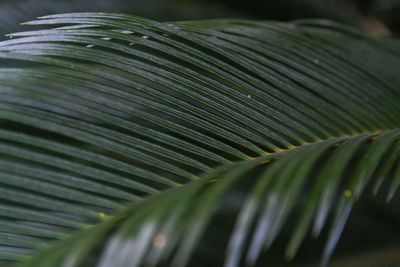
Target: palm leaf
{"points": [[260, 122], [14, 11]]}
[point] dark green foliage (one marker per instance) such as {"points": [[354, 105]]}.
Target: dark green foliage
{"points": [[267, 123]]}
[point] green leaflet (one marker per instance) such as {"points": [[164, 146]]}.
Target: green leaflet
{"points": [[104, 111], [169, 225]]}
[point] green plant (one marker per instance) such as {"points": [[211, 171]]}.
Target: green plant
{"points": [[244, 126]]}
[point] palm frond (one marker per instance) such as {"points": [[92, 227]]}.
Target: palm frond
{"points": [[15, 11], [109, 109]]}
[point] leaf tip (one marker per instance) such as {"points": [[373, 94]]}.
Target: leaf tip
{"points": [[289, 255], [315, 234], [389, 198], [375, 191]]}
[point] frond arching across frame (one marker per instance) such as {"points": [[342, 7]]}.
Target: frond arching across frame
{"points": [[107, 109]]}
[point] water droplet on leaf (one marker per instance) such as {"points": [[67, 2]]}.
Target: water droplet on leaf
{"points": [[159, 241], [127, 32]]}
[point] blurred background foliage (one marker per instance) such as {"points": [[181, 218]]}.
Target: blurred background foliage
{"points": [[377, 17]]}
